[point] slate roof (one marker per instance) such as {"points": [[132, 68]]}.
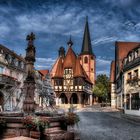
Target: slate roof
{"points": [[86, 45]]}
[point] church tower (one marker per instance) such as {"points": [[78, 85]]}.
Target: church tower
{"points": [[87, 57]]}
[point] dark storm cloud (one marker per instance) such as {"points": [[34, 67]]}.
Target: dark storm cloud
{"points": [[54, 20]]}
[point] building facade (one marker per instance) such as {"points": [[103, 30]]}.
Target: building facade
{"points": [[73, 76], [112, 85], [12, 75], [119, 73], [131, 68], [47, 96]]}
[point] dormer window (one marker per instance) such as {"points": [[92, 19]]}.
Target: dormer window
{"points": [[125, 61], [130, 57], [136, 54]]}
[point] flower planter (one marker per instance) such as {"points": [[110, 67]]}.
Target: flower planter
{"points": [[35, 134]]}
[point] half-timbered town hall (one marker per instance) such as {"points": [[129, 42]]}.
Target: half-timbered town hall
{"points": [[73, 76]]}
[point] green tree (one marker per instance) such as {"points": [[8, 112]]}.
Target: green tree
{"points": [[102, 87]]}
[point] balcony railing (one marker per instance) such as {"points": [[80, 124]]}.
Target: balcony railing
{"points": [[8, 80]]}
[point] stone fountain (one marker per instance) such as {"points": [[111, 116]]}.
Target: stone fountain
{"points": [[14, 120]]}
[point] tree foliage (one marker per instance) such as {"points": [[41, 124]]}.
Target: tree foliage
{"points": [[102, 86]]}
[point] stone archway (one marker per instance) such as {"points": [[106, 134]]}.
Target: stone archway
{"points": [[63, 98], [74, 99]]}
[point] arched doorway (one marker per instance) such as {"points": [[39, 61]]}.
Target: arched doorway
{"points": [[63, 98], [74, 99], [1, 100]]}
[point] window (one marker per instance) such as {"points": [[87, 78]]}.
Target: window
{"points": [[1, 70], [92, 69], [91, 57], [86, 60], [22, 65], [19, 63], [128, 101], [135, 101], [16, 62], [129, 76], [136, 73], [11, 73]]}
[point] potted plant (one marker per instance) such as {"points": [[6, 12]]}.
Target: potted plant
{"points": [[29, 123], [35, 125]]}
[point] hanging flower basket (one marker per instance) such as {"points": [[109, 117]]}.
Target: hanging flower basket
{"points": [[35, 123]]}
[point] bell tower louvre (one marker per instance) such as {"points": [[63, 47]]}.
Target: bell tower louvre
{"points": [[87, 57]]}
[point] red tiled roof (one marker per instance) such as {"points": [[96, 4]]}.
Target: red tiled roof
{"points": [[59, 69], [112, 72], [54, 67], [70, 59], [78, 72], [122, 50], [44, 73]]}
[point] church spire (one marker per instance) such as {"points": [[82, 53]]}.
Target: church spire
{"points": [[86, 46]]}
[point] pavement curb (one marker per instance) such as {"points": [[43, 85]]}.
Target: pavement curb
{"points": [[135, 119]]}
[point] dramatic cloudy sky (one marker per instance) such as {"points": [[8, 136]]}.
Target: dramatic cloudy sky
{"points": [[53, 21]]}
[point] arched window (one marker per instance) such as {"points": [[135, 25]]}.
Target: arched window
{"points": [[86, 60]]}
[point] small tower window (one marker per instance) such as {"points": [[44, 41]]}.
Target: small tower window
{"points": [[91, 57], [86, 60]]}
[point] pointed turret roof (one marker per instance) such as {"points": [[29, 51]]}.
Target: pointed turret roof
{"points": [[86, 46], [59, 69], [70, 58]]}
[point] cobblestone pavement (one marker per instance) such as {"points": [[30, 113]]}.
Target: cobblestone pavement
{"points": [[105, 124]]}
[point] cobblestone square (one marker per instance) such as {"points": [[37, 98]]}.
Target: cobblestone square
{"points": [[97, 124]]}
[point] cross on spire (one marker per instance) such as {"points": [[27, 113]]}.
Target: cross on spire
{"points": [[30, 38]]}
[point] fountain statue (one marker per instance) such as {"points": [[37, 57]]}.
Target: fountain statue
{"points": [[29, 83]]}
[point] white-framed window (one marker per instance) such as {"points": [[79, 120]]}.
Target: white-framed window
{"points": [[1, 70]]}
